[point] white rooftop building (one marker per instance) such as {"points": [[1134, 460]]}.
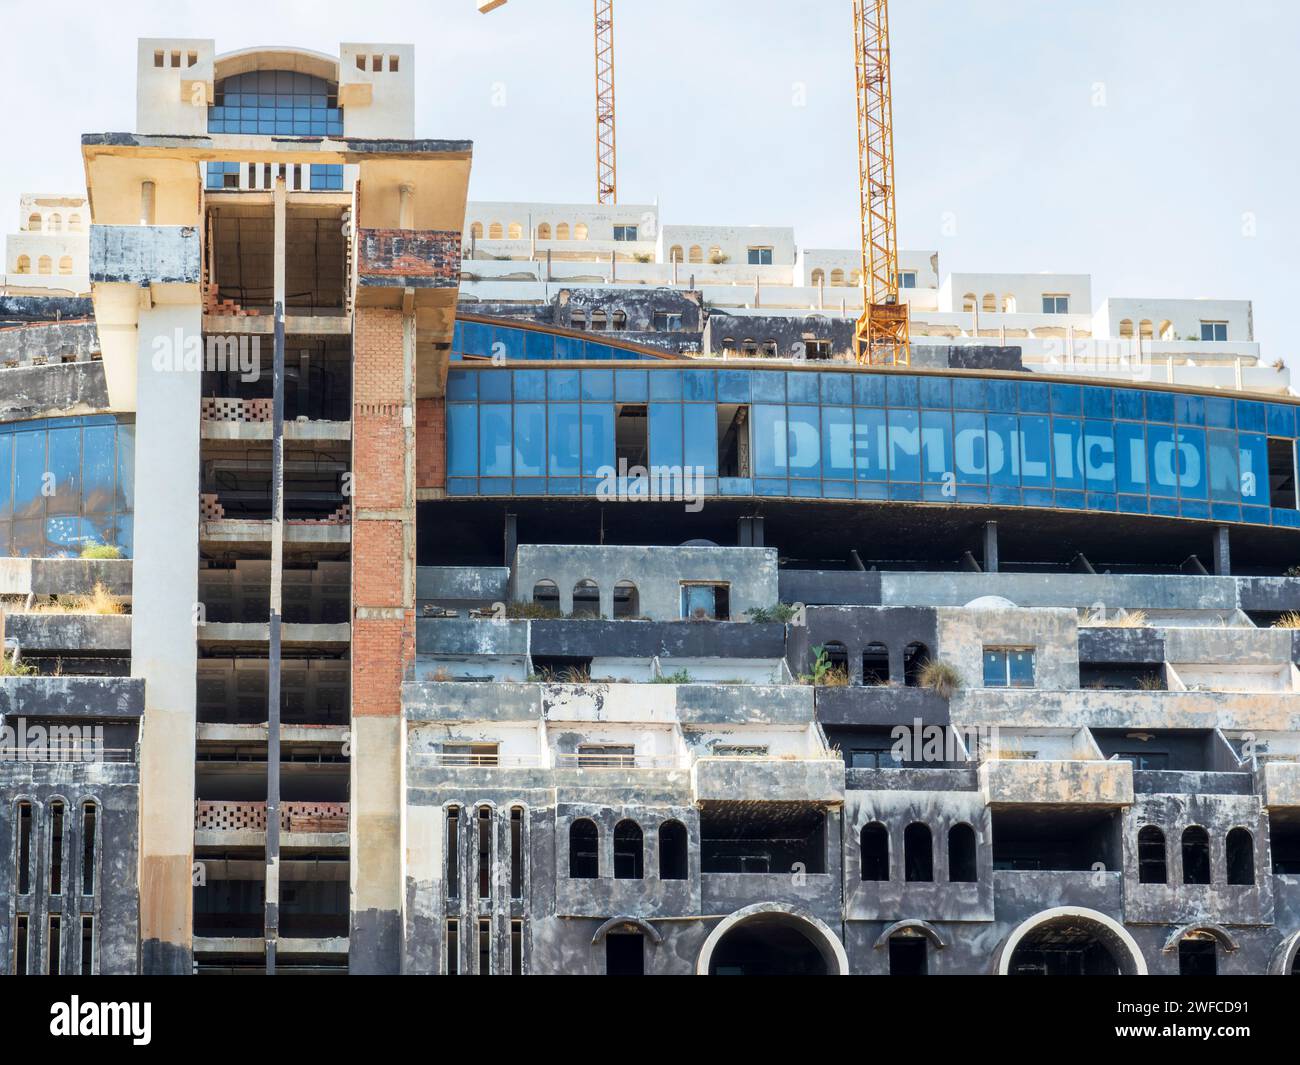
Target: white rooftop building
{"points": [[51, 250]]}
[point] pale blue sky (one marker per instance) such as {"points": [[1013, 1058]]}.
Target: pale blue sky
{"points": [[995, 118]]}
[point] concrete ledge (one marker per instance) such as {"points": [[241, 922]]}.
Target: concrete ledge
{"points": [[64, 576], [726, 704], [1099, 644], [138, 255], [880, 705], [71, 632], [767, 779], [58, 389], [293, 430], [472, 636], [258, 532], [84, 697], [1181, 592], [220, 732], [260, 632], [463, 583], [1037, 707], [667, 639], [257, 838], [1056, 783], [1279, 784]]}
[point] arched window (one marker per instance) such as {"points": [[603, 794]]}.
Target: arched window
{"points": [[55, 223], [544, 231], [715, 255], [918, 853], [546, 594], [74, 223], [1241, 857], [855, 278], [837, 277], [516, 231], [675, 254], [837, 655], [599, 321], [1126, 327], [627, 603], [1145, 329], [275, 101], [65, 264], [629, 851], [618, 320], [962, 865], [915, 656], [1198, 955], [989, 303], [696, 254], [586, 598], [34, 222], [1196, 855], [1008, 304], [818, 278], [875, 851], [584, 849], [89, 848], [562, 231], [24, 265], [672, 851], [580, 231], [968, 301], [43, 265], [1153, 863], [476, 230], [496, 231], [1166, 331]]}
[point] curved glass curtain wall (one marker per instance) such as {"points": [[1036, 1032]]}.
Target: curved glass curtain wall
{"points": [[66, 483], [519, 345], [863, 435]]}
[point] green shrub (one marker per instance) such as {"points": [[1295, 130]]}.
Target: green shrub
{"points": [[101, 551]]}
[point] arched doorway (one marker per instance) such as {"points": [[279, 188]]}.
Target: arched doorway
{"points": [[1070, 941], [766, 940]]}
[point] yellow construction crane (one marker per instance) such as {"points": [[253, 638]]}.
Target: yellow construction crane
{"points": [[606, 155], [881, 337]]}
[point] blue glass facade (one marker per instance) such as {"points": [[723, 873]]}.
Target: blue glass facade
{"points": [[519, 344], [276, 101], [66, 483], [876, 436]]}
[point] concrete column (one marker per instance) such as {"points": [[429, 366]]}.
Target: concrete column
{"points": [[1222, 553], [990, 547], [163, 647]]}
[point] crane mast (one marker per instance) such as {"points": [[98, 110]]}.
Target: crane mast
{"points": [[606, 160], [881, 336]]}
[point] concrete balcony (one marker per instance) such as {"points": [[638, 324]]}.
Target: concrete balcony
{"points": [[746, 779], [243, 824], [1279, 784], [1009, 781], [255, 534]]}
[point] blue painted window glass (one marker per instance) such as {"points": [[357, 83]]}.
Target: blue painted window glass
{"points": [[1190, 454], [1253, 459], [1001, 396], [936, 393], [969, 394], [1003, 447], [508, 343], [1160, 407], [868, 390], [325, 177], [1224, 477], [904, 454], [276, 101], [837, 443], [804, 450], [598, 384], [562, 384], [597, 438], [538, 345], [1160, 460], [700, 432], [666, 384], [530, 384], [494, 386], [1098, 403], [1035, 450], [64, 465], [125, 469], [1130, 458], [1281, 420], [462, 439], [494, 445], [769, 441], [29, 465], [1129, 405], [1251, 417], [936, 446], [870, 444], [733, 386], [6, 477], [631, 386], [461, 385], [563, 439], [697, 385], [767, 386], [1034, 397], [530, 440], [1220, 413], [902, 391], [837, 389], [1067, 399], [1099, 455], [1189, 410], [665, 433], [970, 448], [1066, 440]]}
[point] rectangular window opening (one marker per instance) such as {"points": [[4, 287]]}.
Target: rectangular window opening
{"points": [[453, 852], [56, 848], [484, 947], [631, 436], [54, 945], [453, 947], [158, 59], [20, 944], [760, 256], [516, 853], [87, 945], [1281, 473], [24, 848], [485, 853], [392, 64], [706, 602], [907, 956], [1008, 667], [606, 756], [88, 847], [516, 948], [733, 440], [1217, 331]]}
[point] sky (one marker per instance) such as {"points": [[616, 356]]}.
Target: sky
{"points": [[1145, 142]]}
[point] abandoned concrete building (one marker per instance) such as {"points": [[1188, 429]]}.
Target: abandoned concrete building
{"points": [[399, 584]]}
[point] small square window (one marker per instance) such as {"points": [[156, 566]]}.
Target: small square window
{"points": [[907, 279], [392, 64], [1214, 331], [760, 256], [706, 602], [625, 233], [1056, 304], [1008, 667]]}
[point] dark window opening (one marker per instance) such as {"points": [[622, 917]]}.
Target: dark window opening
{"points": [[87, 946], [1198, 957], [918, 853], [606, 756], [453, 947], [453, 852], [516, 948], [20, 944], [547, 595], [516, 853], [767, 945], [56, 848], [631, 436], [586, 599], [1284, 842], [584, 850], [1067, 840], [667, 322], [875, 851], [1061, 949], [24, 848], [733, 440], [54, 945], [485, 947], [1241, 857], [1196, 855], [908, 956], [625, 954], [484, 852], [672, 851], [962, 863], [775, 837], [816, 350], [837, 657], [629, 851], [1281, 473], [915, 656], [1152, 860], [89, 844], [627, 602], [875, 664]]}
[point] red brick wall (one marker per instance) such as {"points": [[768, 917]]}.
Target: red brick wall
{"points": [[430, 443], [383, 646]]}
